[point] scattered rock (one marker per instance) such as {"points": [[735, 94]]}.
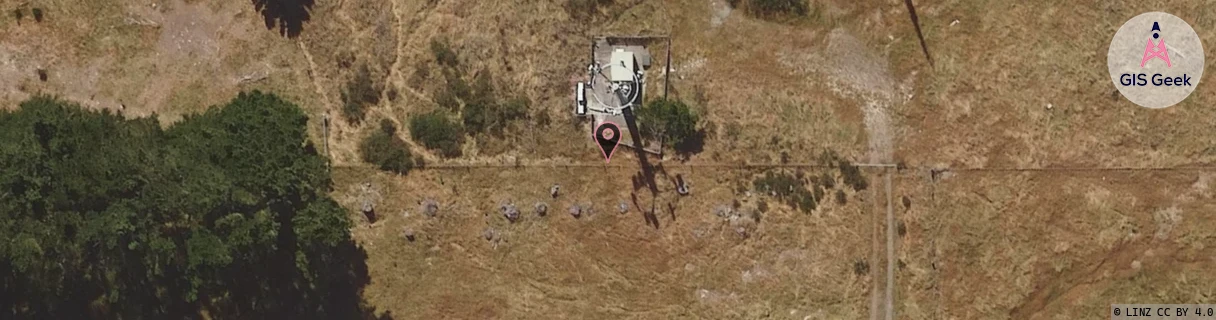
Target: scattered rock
{"points": [[510, 212], [541, 209], [682, 186], [429, 207], [1166, 219], [493, 236], [553, 191], [723, 211], [408, 233], [369, 210], [742, 223], [622, 207], [576, 211]]}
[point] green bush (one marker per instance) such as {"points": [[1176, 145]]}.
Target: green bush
{"points": [[670, 120], [790, 190], [360, 92], [515, 109], [773, 9], [435, 131], [583, 9], [385, 150], [443, 53], [476, 117], [853, 176], [776, 8], [483, 113], [458, 86], [446, 99]]}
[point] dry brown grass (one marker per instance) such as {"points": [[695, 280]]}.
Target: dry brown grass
{"points": [[604, 264]]}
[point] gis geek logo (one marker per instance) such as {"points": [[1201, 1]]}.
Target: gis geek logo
{"points": [[1155, 51], [1148, 70]]}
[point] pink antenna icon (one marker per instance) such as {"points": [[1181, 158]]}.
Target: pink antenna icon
{"points": [[1158, 52]]}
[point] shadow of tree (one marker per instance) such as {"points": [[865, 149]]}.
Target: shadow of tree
{"points": [[691, 145], [288, 15]]}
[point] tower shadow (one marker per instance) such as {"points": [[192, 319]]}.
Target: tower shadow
{"points": [[648, 171], [288, 15]]}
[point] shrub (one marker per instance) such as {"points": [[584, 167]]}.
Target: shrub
{"points": [[447, 100], [38, 14], [583, 9], [384, 149], [483, 113], [435, 131], [852, 176], [828, 180], [475, 117], [360, 92], [861, 267], [457, 86], [443, 53], [515, 109], [670, 120], [790, 190], [483, 88], [773, 9], [776, 8]]}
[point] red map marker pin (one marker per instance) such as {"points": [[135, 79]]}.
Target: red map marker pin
{"points": [[607, 136]]}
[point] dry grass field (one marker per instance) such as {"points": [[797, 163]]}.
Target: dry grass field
{"points": [[1015, 85]]}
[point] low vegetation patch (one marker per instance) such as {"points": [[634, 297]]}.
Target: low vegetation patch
{"points": [[436, 132], [790, 190], [773, 9], [853, 176], [480, 108], [444, 54], [385, 150], [359, 93], [583, 9]]}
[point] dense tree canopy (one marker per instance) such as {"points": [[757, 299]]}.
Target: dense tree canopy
{"points": [[226, 211], [671, 120]]}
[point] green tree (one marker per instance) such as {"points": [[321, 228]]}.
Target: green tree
{"points": [[670, 120], [227, 211]]}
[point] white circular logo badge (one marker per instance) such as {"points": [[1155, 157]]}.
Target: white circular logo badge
{"points": [[1156, 60]]}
